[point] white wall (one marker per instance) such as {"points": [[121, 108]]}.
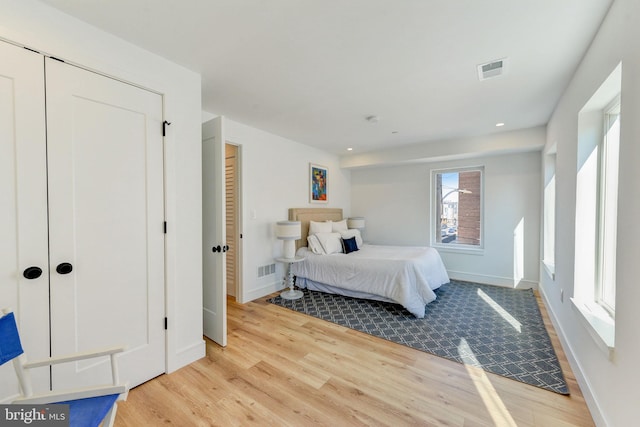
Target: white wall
{"points": [[40, 27], [396, 203], [610, 386], [274, 178]]}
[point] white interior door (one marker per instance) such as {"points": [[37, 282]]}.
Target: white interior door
{"points": [[106, 214], [214, 232], [23, 216]]}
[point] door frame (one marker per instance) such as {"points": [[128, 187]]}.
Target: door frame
{"points": [[239, 224]]}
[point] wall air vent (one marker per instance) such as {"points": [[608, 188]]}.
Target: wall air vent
{"points": [[266, 270], [492, 69]]}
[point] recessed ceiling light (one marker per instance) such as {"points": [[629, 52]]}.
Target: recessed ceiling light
{"points": [[372, 119], [499, 124], [349, 149]]}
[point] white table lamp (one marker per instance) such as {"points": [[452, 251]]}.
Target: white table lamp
{"points": [[356, 222], [288, 232]]}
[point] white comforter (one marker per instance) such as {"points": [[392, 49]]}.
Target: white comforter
{"points": [[406, 275]]}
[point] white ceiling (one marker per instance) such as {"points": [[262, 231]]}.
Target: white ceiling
{"points": [[312, 70]]}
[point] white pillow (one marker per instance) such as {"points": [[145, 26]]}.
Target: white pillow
{"points": [[353, 232], [339, 226], [314, 245], [316, 227], [330, 242]]}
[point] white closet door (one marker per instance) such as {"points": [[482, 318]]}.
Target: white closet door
{"points": [[23, 215], [106, 214]]}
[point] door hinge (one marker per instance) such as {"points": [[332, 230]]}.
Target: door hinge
{"points": [[166, 323], [165, 227], [164, 127]]}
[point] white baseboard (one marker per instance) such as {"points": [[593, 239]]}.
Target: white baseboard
{"points": [[584, 384], [187, 355], [505, 282], [263, 291]]}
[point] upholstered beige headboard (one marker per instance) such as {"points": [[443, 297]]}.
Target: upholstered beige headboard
{"points": [[304, 215]]}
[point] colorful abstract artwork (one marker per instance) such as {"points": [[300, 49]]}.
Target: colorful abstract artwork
{"points": [[318, 184]]}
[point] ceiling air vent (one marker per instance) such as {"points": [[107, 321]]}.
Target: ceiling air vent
{"points": [[492, 69]]}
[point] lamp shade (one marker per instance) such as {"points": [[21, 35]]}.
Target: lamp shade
{"points": [[355, 222], [288, 230]]}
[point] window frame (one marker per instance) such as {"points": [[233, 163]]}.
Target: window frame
{"points": [[549, 200], [598, 322], [607, 206], [434, 226]]}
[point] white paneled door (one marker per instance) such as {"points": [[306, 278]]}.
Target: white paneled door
{"points": [[23, 211], [214, 292], [81, 168], [106, 216]]}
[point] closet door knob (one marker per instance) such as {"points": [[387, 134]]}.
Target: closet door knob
{"points": [[64, 268], [32, 273]]}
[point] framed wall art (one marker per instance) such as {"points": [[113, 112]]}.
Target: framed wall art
{"points": [[318, 183]]}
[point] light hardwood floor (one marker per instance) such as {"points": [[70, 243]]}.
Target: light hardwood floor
{"points": [[282, 368]]}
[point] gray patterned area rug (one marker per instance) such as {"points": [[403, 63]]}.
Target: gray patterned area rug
{"points": [[497, 329]]}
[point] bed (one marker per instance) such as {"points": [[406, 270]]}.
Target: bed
{"points": [[398, 274]]}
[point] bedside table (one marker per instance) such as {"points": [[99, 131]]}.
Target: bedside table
{"points": [[291, 293]]}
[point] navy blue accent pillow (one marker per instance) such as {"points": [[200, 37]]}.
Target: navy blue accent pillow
{"points": [[349, 245]]}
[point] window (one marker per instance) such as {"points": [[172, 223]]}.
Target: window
{"points": [[608, 208], [549, 213], [458, 208], [594, 290]]}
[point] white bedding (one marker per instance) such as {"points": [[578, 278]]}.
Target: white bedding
{"points": [[406, 275]]}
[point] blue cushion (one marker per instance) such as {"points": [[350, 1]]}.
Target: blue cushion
{"points": [[349, 245], [89, 412], [10, 346]]}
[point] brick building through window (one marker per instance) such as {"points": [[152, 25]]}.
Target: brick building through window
{"points": [[458, 207]]}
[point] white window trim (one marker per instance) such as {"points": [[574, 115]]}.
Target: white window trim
{"points": [[598, 323], [456, 247], [596, 320], [548, 260]]}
